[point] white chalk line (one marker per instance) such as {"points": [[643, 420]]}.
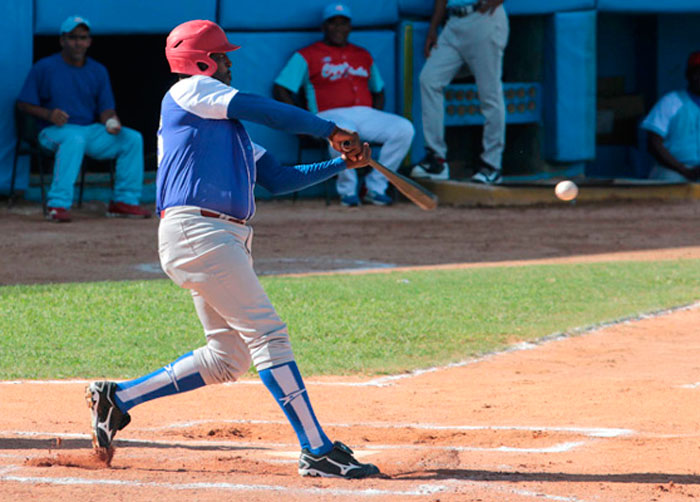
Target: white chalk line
{"points": [[695, 385], [308, 383], [538, 495], [421, 490], [601, 432], [585, 330], [556, 448], [476, 488], [390, 379]]}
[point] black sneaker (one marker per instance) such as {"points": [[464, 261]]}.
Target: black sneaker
{"points": [[487, 175], [431, 167], [350, 201], [337, 463], [378, 199], [107, 418]]}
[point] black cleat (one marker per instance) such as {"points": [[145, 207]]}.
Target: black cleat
{"points": [[337, 463], [431, 167], [487, 175], [107, 418]]}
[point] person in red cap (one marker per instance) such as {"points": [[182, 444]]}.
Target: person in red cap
{"points": [[208, 168], [672, 127], [72, 96]]}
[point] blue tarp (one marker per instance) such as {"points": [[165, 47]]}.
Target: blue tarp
{"points": [[122, 17], [570, 87], [678, 36], [642, 6], [15, 25], [424, 8], [283, 15]]}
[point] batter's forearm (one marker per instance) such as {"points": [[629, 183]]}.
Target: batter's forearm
{"points": [[279, 179]]}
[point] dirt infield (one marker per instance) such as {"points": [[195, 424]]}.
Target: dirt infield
{"points": [[610, 415], [307, 236]]}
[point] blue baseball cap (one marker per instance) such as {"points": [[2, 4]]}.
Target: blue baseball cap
{"points": [[336, 9], [70, 24]]}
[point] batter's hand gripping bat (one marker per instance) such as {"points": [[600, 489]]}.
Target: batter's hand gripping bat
{"points": [[420, 196]]}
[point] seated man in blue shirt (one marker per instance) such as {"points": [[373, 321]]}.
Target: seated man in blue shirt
{"points": [[72, 95], [672, 127]]}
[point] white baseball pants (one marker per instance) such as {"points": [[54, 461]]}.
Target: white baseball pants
{"points": [[212, 258], [479, 41], [392, 131]]}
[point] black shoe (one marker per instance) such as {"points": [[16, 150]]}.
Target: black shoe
{"points": [[376, 198], [107, 418], [431, 167], [487, 175], [337, 463], [350, 201]]}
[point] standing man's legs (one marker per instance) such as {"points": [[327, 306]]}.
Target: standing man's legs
{"points": [[442, 65], [439, 70], [484, 55]]}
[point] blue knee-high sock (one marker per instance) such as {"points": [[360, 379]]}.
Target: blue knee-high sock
{"points": [[179, 376], [287, 387]]}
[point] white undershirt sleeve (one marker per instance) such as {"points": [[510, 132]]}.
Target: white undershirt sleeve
{"points": [[203, 96]]}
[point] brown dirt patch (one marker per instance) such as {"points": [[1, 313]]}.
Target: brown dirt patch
{"points": [[308, 236]]}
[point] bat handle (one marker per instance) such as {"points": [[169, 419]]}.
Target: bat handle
{"points": [[345, 145]]}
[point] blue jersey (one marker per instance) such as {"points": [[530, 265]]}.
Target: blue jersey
{"points": [[206, 158], [82, 92]]}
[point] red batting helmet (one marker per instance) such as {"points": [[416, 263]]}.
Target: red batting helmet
{"points": [[193, 42]]}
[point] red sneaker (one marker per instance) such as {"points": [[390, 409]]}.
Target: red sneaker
{"points": [[122, 210], [58, 214]]}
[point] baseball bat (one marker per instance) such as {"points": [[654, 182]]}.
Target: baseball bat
{"points": [[420, 196]]}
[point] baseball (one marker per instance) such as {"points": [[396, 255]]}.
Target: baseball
{"points": [[112, 124], [566, 190]]}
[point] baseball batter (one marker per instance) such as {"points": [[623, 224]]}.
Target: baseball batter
{"points": [[207, 171]]}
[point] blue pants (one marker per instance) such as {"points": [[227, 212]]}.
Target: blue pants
{"points": [[70, 142]]}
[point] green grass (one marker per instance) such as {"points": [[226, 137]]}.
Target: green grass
{"points": [[374, 324]]}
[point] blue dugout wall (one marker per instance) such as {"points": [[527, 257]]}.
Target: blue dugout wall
{"points": [[16, 53], [269, 31]]}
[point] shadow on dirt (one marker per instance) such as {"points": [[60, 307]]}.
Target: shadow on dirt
{"points": [[529, 477], [77, 444]]}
